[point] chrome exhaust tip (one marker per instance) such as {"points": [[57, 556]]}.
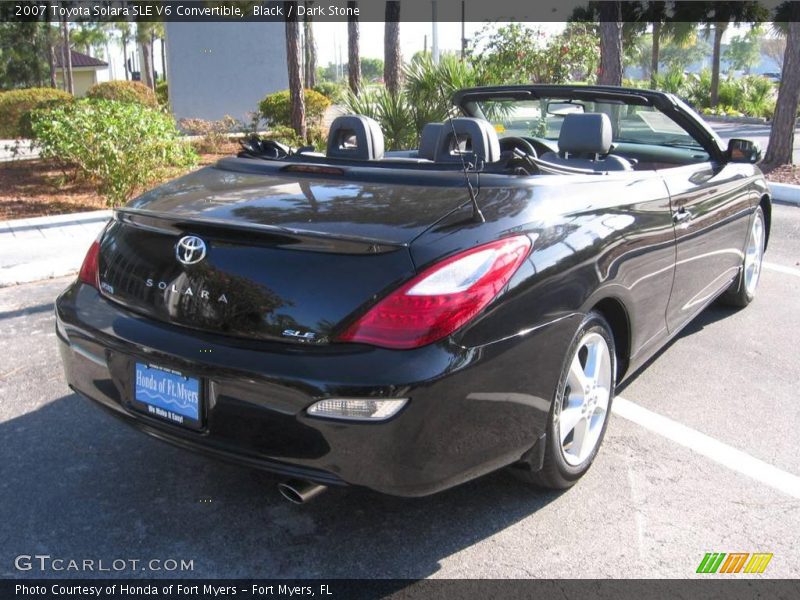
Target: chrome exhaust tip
{"points": [[300, 492]]}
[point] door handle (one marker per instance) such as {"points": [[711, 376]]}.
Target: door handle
{"points": [[682, 216]]}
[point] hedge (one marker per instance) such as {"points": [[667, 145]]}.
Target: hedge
{"points": [[276, 108], [16, 105], [124, 91], [162, 93]]}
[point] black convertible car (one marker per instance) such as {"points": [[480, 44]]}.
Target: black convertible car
{"points": [[410, 320]]}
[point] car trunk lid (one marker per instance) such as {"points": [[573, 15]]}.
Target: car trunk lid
{"points": [[285, 258]]}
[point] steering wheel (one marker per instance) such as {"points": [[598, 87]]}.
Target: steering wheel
{"points": [[511, 142]]}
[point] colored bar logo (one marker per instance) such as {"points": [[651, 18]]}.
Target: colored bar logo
{"points": [[734, 562]]}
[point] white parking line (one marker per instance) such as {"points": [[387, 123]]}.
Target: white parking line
{"points": [[781, 269], [709, 447]]}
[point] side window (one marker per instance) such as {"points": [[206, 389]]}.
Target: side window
{"points": [[646, 125]]}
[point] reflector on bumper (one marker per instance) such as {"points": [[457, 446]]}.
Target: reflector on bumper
{"points": [[357, 409]]}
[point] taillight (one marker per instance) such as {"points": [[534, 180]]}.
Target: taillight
{"points": [[442, 298], [90, 269]]}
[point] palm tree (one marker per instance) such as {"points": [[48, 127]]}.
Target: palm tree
{"points": [[296, 97], [353, 58], [781, 137], [610, 44], [153, 53], [632, 15], [66, 55], [144, 37], [718, 16], [51, 37], [782, 17], [123, 28], [656, 14], [392, 59], [310, 50], [89, 37], [678, 28]]}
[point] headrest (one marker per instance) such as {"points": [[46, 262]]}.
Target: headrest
{"points": [[475, 136], [585, 133], [356, 137], [428, 140]]}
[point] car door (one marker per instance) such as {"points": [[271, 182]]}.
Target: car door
{"points": [[711, 206]]}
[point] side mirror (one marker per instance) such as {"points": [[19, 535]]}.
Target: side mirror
{"points": [[743, 151]]}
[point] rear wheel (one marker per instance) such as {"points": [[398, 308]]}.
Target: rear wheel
{"points": [[743, 289], [581, 406]]}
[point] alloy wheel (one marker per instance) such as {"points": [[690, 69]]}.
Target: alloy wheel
{"points": [[583, 408], [754, 254]]}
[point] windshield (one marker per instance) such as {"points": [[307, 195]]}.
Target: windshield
{"points": [[542, 118]]}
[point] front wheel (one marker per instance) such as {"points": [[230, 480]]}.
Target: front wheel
{"points": [[581, 406], [743, 289]]}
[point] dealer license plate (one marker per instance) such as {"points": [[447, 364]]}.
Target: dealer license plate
{"points": [[167, 394]]}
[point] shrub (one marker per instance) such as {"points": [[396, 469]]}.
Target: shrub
{"points": [[759, 96], [286, 135], [213, 134], [252, 123], [698, 89], [124, 91], [673, 81], [276, 108], [722, 111], [16, 106], [331, 90], [517, 53], [394, 113], [122, 146], [162, 93], [636, 83], [752, 95], [425, 98], [731, 92], [429, 86]]}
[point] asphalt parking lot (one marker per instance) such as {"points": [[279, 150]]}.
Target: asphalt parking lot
{"points": [[702, 456], [752, 131]]}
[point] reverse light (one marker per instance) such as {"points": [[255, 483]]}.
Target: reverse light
{"points": [[357, 409], [442, 298], [90, 269]]}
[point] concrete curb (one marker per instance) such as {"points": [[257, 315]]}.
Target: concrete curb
{"points": [[24, 150], [45, 247], [57, 220], [785, 192], [41, 270], [740, 120]]}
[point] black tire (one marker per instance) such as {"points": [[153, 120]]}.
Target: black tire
{"points": [[743, 290], [556, 472]]}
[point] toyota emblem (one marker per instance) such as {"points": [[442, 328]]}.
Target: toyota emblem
{"points": [[190, 250]]}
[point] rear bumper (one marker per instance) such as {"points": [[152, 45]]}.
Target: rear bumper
{"points": [[471, 410]]}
